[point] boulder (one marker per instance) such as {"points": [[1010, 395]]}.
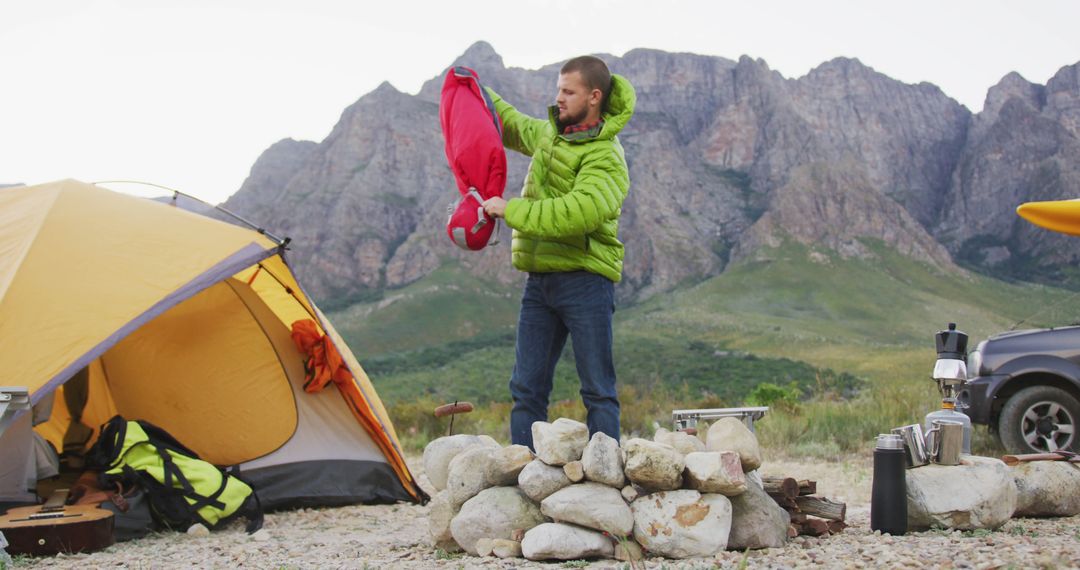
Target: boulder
{"points": [[468, 474], [978, 493], [591, 505], [715, 472], [494, 513], [559, 442], [440, 514], [507, 463], [558, 541], [629, 493], [538, 480], [440, 452], [730, 434], [757, 521], [754, 478], [504, 548], [682, 524], [603, 462], [1047, 489], [654, 466], [683, 442]]}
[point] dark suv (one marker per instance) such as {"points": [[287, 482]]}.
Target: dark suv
{"points": [[1025, 385]]}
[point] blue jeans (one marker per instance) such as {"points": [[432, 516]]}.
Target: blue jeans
{"points": [[553, 305]]}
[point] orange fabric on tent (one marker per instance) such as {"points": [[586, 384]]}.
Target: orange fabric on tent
{"points": [[324, 363]]}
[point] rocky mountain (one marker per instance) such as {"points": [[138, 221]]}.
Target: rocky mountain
{"points": [[1023, 146], [726, 157]]}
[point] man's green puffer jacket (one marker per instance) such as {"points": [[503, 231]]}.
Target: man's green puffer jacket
{"points": [[567, 218]]}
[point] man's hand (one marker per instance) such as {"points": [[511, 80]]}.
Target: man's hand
{"points": [[495, 207]]}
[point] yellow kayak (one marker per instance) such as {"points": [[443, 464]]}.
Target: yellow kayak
{"points": [[1058, 215]]}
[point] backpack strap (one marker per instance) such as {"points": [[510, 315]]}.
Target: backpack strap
{"points": [[162, 438], [105, 453], [481, 217], [174, 472]]}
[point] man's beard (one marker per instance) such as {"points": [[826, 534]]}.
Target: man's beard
{"points": [[571, 120]]}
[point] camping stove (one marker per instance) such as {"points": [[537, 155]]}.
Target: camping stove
{"points": [[688, 419], [950, 370]]}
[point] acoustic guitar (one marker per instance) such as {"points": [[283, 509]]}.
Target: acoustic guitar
{"points": [[55, 527]]}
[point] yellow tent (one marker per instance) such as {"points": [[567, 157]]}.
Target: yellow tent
{"points": [[184, 321]]}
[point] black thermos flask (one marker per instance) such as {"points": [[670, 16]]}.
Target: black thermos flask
{"points": [[888, 499]]}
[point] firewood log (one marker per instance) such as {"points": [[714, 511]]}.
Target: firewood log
{"points": [[814, 527], [822, 507], [783, 486]]}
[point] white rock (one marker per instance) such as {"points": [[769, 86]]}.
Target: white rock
{"points": [[559, 442], [507, 464], [730, 434], [715, 472], [468, 474], [538, 480], [483, 547], [654, 466], [557, 541], [439, 453], [683, 442], [574, 471], [978, 493], [506, 548], [757, 521], [682, 524], [591, 505], [199, 530], [1047, 489], [494, 513], [603, 461], [630, 493], [440, 513]]}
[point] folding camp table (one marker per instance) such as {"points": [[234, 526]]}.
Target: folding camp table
{"points": [[684, 419]]}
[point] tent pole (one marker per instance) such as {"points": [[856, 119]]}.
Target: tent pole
{"points": [[280, 241]]}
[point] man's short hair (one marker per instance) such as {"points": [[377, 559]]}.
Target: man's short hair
{"points": [[594, 72]]}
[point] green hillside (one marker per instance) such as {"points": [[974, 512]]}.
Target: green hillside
{"points": [[844, 338]]}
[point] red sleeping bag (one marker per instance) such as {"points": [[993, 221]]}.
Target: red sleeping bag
{"points": [[475, 152]]}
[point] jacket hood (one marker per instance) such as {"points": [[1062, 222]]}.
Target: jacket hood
{"points": [[620, 107]]}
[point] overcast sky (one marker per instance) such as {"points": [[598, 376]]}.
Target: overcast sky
{"points": [[187, 94]]}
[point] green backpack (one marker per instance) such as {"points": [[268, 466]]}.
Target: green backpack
{"points": [[182, 488]]}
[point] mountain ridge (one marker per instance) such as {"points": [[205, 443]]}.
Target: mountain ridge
{"points": [[725, 157]]}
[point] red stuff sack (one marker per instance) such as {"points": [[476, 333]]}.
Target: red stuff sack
{"points": [[474, 149]]}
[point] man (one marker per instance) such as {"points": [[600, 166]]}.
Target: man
{"points": [[565, 226]]}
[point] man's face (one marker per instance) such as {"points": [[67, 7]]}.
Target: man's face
{"points": [[575, 99]]}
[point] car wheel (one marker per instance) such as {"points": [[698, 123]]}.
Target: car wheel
{"points": [[1039, 419]]}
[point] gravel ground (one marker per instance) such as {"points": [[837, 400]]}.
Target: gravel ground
{"points": [[395, 536]]}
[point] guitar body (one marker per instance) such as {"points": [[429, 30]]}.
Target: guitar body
{"points": [[75, 528]]}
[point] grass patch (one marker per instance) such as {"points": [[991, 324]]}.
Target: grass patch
{"points": [[840, 349]]}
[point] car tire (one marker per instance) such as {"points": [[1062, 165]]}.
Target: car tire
{"points": [[1040, 419]]}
